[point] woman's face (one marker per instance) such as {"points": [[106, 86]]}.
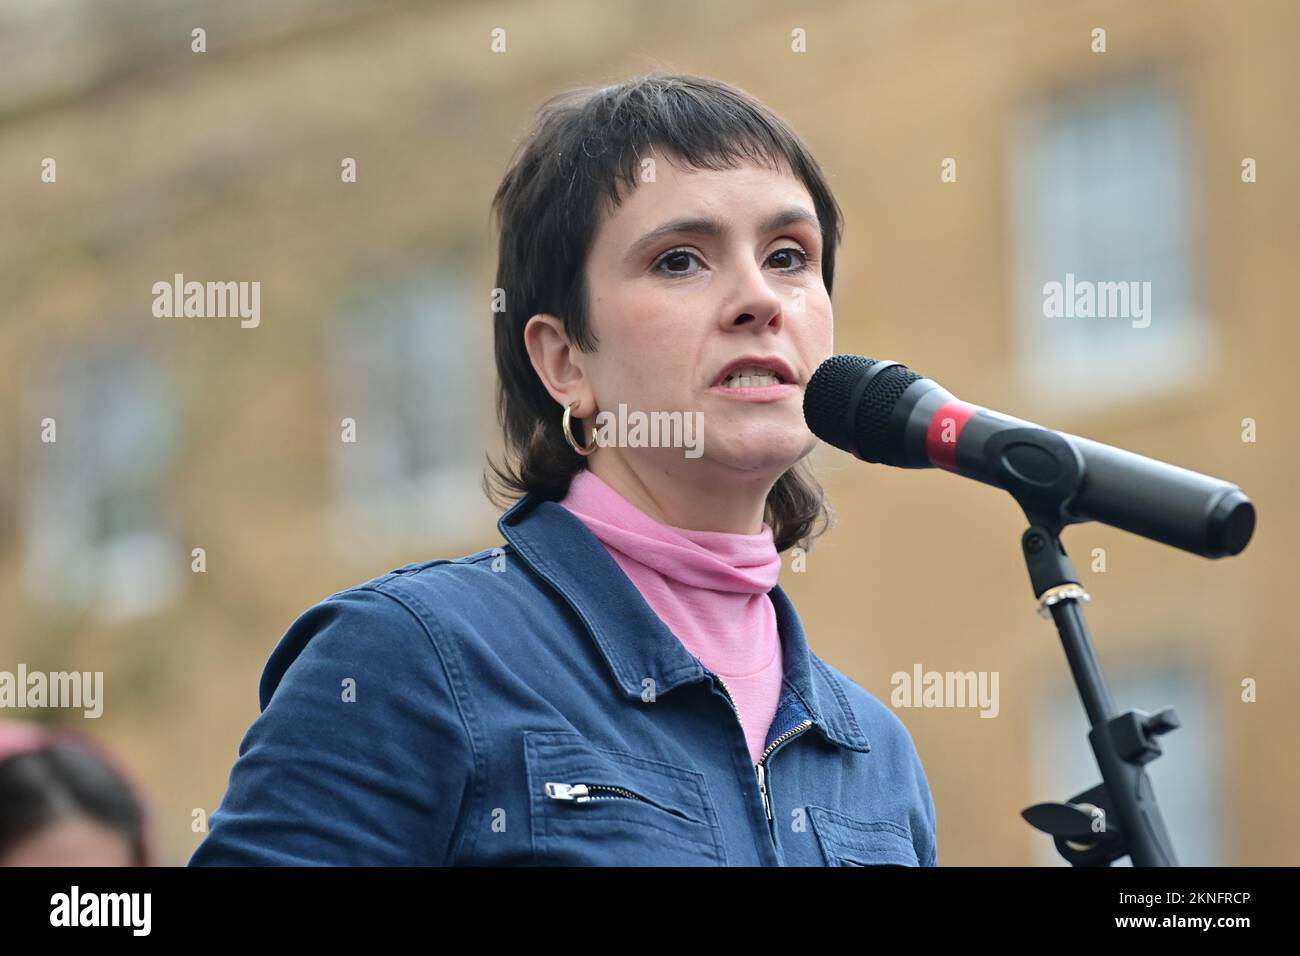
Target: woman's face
{"points": [[739, 275], [72, 841]]}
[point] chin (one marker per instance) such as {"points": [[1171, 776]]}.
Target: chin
{"points": [[771, 458]]}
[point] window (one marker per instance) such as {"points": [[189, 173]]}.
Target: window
{"points": [[1102, 189], [96, 539], [405, 368]]}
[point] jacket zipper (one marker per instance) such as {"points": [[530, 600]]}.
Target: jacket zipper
{"points": [[759, 768], [762, 772], [585, 792], [581, 792]]}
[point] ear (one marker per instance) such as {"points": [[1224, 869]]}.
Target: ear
{"points": [[558, 363]]}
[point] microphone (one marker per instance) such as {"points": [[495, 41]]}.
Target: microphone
{"points": [[885, 413]]}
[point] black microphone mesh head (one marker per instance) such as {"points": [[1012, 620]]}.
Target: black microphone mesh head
{"points": [[864, 430], [874, 438], [827, 394]]}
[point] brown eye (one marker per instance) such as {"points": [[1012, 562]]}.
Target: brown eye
{"points": [[802, 262], [678, 257]]}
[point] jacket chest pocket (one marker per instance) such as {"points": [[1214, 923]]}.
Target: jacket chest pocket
{"points": [[849, 842], [591, 806]]}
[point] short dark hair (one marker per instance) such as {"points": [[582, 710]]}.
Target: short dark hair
{"points": [[41, 787], [567, 171]]}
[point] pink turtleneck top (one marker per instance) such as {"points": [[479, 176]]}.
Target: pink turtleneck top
{"points": [[709, 588]]}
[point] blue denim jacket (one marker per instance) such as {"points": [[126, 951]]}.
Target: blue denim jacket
{"points": [[524, 705]]}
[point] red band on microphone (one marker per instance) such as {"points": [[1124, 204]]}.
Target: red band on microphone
{"points": [[945, 431]]}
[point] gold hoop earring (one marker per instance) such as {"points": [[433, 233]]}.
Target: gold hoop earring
{"points": [[568, 434]]}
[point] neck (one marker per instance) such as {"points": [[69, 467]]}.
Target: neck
{"points": [[736, 507]]}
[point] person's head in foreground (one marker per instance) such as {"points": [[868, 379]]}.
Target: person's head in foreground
{"points": [[63, 803], [668, 245]]}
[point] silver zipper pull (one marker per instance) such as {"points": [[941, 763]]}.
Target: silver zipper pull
{"points": [[762, 789], [568, 791]]}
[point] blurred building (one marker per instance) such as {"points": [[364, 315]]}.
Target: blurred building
{"points": [[980, 150]]}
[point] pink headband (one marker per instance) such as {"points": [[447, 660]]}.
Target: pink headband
{"points": [[17, 737]]}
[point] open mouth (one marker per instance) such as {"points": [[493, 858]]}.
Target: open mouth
{"points": [[751, 376]]}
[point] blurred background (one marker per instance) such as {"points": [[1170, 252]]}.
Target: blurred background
{"points": [[182, 434]]}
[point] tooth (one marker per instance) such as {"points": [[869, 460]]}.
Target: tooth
{"points": [[760, 378]]}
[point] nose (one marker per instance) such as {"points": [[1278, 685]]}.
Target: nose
{"points": [[753, 303]]}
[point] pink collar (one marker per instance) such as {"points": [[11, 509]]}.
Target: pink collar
{"points": [[715, 560]]}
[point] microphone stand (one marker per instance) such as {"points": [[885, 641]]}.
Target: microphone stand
{"points": [[1118, 817]]}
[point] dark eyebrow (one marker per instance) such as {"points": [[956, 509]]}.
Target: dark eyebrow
{"points": [[714, 228]]}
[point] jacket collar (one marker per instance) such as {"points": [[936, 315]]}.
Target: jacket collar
{"points": [[637, 645]]}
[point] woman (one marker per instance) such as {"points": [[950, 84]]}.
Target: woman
{"points": [[64, 802], [623, 682]]}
